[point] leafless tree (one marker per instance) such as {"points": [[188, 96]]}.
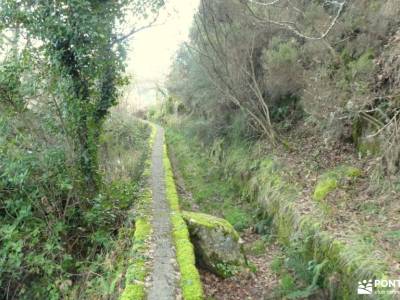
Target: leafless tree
{"points": [[229, 62], [292, 26]]}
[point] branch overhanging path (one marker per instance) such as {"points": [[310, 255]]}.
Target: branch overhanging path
{"points": [[164, 274]]}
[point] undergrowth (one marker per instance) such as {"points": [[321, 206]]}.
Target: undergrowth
{"points": [[212, 189], [258, 185], [51, 247]]}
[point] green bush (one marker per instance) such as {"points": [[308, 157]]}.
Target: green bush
{"points": [[46, 234]]}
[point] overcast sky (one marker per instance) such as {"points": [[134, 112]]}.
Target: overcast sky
{"points": [[152, 50]]}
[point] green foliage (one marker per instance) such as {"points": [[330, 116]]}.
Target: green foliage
{"points": [[393, 235], [12, 88], [312, 255], [362, 67], [212, 189], [80, 46], [121, 135], [238, 218], [324, 187], [282, 53], [59, 76], [330, 180], [123, 254], [34, 182], [357, 72], [298, 279], [277, 264], [287, 284], [39, 206], [226, 270], [232, 66]]}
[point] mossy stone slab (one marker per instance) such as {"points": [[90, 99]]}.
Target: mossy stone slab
{"points": [[217, 244]]}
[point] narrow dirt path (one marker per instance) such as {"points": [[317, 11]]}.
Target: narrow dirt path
{"points": [[164, 275]]}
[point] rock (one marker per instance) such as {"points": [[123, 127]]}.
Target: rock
{"points": [[217, 245]]}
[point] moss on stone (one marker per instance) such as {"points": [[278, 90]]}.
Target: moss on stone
{"points": [[133, 291], [210, 221], [216, 242], [189, 276], [137, 270]]}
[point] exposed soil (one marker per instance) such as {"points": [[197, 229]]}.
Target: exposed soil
{"points": [[246, 285]]}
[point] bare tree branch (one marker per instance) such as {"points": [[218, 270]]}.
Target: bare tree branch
{"points": [[136, 30], [292, 27], [263, 3]]}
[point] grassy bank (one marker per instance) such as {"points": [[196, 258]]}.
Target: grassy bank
{"points": [[265, 195]]}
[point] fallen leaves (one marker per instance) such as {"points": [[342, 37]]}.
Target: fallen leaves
{"points": [[246, 285]]}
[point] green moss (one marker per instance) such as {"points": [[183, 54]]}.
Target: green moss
{"points": [[352, 172], [330, 180], [133, 292], [324, 187], [137, 270], [189, 276], [209, 221]]}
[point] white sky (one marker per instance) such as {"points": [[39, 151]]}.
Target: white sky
{"points": [[152, 50]]}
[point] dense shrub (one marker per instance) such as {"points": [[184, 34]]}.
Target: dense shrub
{"points": [[46, 238]]}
